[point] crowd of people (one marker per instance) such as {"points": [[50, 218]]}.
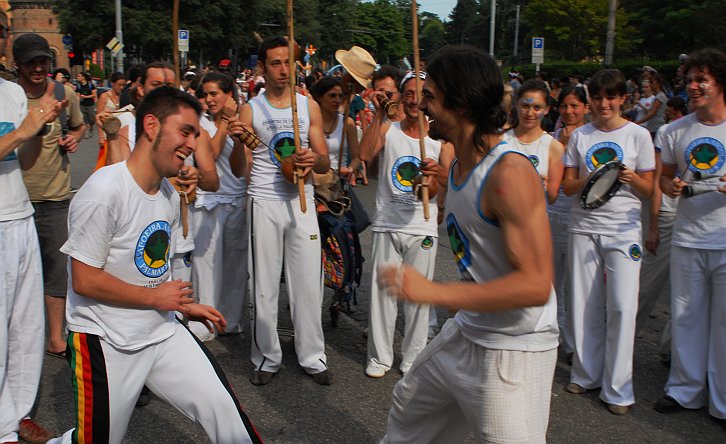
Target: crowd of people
{"points": [[195, 212]]}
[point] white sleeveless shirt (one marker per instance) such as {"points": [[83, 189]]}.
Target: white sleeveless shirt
{"points": [[481, 255], [333, 140], [397, 208], [275, 128], [232, 189], [538, 152]]}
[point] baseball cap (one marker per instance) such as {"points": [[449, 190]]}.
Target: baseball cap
{"points": [[29, 46]]}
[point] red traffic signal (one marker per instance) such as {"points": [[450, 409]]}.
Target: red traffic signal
{"points": [[71, 55]]}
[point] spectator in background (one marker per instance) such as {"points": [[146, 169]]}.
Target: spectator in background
{"points": [[87, 95]]}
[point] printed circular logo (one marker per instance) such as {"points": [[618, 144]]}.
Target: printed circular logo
{"points": [[534, 159], [427, 243], [152, 249], [187, 260], [635, 252], [459, 243], [281, 146], [705, 155], [602, 153], [403, 173]]}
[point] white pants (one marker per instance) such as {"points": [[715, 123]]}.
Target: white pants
{"points": [[22, 323], [698, 323], [219, 271], [604, 303], [655, 277], [456, 387], [179, 370], [396, 248], [558, 227], [279, 229]]}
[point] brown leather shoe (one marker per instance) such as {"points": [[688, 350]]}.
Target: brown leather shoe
{"points": [[33, 433], [618, 409]]}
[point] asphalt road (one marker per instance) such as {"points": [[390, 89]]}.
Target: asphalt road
{"points": [[294, 409]]}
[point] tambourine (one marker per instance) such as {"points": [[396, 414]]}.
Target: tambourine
{"points": [[601, 185]]}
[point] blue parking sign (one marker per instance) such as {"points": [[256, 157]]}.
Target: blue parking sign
{"points": [[538, 42]]}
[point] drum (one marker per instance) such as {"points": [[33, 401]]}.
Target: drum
{"points": [[601, 185]]}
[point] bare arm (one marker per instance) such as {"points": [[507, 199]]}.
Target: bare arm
{"points": [[238, 158], [374, 136], [511, 198], [318, 146], [351, 139], [555, 170], [641, 183], [652, 238], [571, 182], [118, 146], [208, 177], [96, 283]]}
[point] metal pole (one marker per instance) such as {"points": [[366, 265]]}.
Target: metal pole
{"points": [[119, 37], [610, 39], [492, 22], [516, 34]]}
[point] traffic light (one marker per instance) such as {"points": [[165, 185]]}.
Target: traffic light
{"points": [[74, 59]]}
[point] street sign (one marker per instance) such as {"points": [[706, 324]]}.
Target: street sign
{"points": [[538, 50], [67, 40], [184, 40], [115, 46]]}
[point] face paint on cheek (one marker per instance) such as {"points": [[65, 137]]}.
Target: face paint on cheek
{"points": [[705, 88]]}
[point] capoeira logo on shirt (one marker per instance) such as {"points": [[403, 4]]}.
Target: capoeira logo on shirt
{"points": [[404, 172], [534, 159], [635, 252], [459, 243], [602, 153], [705, 156], [6, 128], [152, 249], [281, 146]]}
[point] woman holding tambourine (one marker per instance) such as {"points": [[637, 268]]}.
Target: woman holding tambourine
{"points": [[605, 236]]}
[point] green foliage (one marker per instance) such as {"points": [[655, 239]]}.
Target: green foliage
{"points": [[432, 34], [379, 27], [95, 71]]}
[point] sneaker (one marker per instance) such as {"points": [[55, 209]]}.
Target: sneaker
{"points": [[261, 377], [666, 404], [618, 409], [31, 432], [322, 378], [144, 397], [374, 370], [575, 389]]}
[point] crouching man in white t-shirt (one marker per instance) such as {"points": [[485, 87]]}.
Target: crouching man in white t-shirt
{"points": [[122, 301]]}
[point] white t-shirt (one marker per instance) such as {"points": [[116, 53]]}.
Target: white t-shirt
{"points": [[128, 119], [232, 189], [701, 219], [397, 208], [589, 148], [116, 226], [274, 127], [14, 201], [667, 204]]}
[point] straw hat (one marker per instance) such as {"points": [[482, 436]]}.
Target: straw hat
{"points": [[358, 63]]}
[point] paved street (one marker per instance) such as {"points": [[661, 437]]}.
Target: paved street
{"points": [[294, 409]]}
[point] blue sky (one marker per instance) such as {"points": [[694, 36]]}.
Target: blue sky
{"points": [[442, 8]]}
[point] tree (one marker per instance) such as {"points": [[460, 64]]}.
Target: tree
{"points": [[465, 23], [576, 29], [432, 34], [379, 27]]}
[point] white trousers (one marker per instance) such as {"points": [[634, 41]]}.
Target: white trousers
{"points": [[655, 277], [219, 261], [560, 237], [179, 370], [396, 248], [278, 230], [22, 323], [604, 303], [698, 327], [456, 387]]}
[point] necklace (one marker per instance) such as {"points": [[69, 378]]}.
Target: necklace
{"points": [[332, 128]]}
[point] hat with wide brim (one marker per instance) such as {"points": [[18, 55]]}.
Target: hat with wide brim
{"points": [[358, 63]]}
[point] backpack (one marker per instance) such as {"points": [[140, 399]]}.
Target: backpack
{"points": [[341, 255]]}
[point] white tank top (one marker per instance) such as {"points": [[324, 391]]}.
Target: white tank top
{"points": [[232, 189], [481, 255], [538, 151], [274, 127], [333, 140], [397, 208]]}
